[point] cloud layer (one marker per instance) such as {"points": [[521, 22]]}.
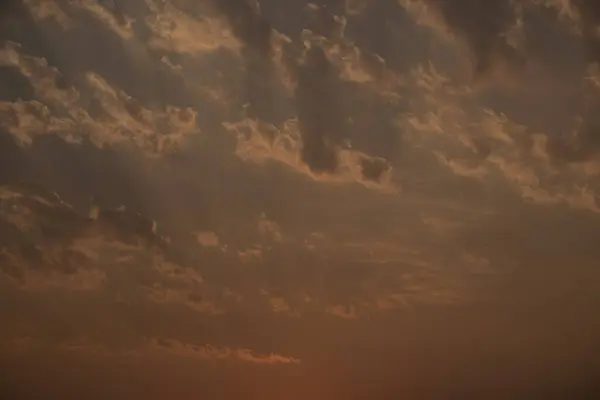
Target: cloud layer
{"points": [[313, 193]]}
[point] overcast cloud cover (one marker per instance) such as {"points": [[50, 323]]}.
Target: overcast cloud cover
{"points": [[338, 199]]}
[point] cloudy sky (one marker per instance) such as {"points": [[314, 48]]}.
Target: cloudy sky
{"points": [[338, 199]]}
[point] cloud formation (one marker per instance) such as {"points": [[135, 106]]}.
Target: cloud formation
{"points": [[306, 193]]}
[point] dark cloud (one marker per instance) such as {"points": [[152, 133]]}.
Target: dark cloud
{"points": [[39, 231], [319, 111], [117, 9], [590, 17], [385, 28], [321, 108], [581, 144], [12, 8], [483, 26], [373, 169], [14, 85], [47, 163], [152, 84], [248, 25], [263, 91]]}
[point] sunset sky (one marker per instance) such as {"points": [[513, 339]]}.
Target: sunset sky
{"points": [[292, 200]]}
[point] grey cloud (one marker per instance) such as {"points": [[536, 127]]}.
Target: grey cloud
{"points": [[248, 25], [483, 26], [263, 91], [319, 102], [116, 7], [42, 232], [374, 168], [590, 18], [319, 111], [385, 29], [583, 144], [149, 82], [325, 108]]}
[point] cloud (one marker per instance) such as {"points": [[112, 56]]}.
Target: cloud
{"points": [[49, 10], [267, 81], [440, 226], [250, 255], [321, 126], [248, 25], [177, 32], [287, 145], [207, 239], [280, 306], [269, 229], [484, 29], [185, 153], [48, 244], [113, 17], [104, 115], [180, 349], [444, 120], [81, 280], [342, 312], [189, 298], [479, 143], [157, 347], [315, 74]]}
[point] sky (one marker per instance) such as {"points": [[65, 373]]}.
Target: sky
{"points": [[338, 199]]}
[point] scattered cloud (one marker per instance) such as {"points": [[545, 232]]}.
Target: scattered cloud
{"points": [[207, 239], [269, 229], [213, 353], [175, 31], [237, 180], [49, 10], [342, 312], [106, 116], [81, 280], [188, 298], [286, 147], [164, 347]]}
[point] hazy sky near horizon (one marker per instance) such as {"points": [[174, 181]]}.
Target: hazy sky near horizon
{"points": [[338, 199]]}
